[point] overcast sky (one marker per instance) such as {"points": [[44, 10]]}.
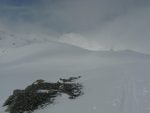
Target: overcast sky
{"points": [[97, 24]]}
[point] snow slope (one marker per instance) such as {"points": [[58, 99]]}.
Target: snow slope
{"points": [[114, 81], [9, 39]]}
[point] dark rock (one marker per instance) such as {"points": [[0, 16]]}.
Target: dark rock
{"points": [[71, 79], [41, 93]]}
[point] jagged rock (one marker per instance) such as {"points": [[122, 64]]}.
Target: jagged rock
{"points": [[71, 79], [41, 93]]}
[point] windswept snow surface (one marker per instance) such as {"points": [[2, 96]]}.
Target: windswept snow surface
{"points": [[114, 81]]}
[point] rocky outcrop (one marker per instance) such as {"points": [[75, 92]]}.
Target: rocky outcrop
{"points": [[41, 93]]}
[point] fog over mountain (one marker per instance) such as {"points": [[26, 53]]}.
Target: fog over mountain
{"points": [[103, 24]]}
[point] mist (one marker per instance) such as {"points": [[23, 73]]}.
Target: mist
{"points": [[90, 24]]}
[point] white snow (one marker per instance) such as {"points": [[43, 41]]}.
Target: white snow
{"points": [[42, 91], [114, 81]]}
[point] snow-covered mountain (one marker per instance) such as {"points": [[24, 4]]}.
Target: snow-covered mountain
{"points": [[114, 81], [9, 39]]}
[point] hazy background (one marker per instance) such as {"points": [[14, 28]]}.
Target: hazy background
{"points": [[91, 24]]}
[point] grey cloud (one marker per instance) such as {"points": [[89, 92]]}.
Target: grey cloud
{"points": [[70, 15], [111, 23]]}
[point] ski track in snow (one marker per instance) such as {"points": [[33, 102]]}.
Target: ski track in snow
{"points": [[129, 99]]}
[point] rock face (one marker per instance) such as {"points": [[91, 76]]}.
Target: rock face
{"points": [[40, 93]]}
